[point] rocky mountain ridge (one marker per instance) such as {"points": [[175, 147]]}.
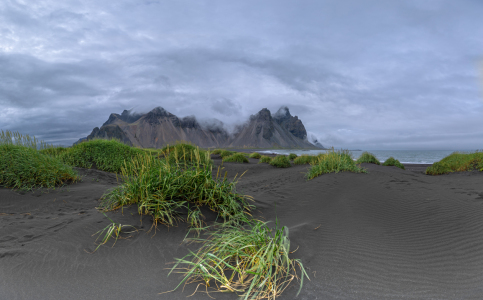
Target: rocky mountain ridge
{"points": [[159, 127]]}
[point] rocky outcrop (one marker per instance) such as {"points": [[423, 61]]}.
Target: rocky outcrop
{"points": [[159, 128], [110, 132], [264, 131], [292, 124]]}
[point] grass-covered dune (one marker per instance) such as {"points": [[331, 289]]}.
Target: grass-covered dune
{"points": [[391, 161], [333, 162], [457, 162], [367, 157], [105, 155], [23, 166], [236, 157]]}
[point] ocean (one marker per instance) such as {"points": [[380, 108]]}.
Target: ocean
{"points": [[404, 156]]}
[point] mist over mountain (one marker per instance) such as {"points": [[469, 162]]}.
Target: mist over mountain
{"points": [[158, 128]]}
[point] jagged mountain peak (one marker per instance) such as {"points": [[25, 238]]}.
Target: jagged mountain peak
{"points": [[160, 112], [282, 113], [263, 115]]}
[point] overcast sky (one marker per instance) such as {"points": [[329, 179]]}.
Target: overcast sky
{"points": [[366, 74]]}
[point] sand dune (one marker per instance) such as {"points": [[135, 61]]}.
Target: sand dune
{"points": [[388, 234]]}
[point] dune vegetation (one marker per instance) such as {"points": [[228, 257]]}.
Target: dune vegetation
{"points": [[23, 166], [304, 159], [280, 161], [457, 162], [105, 155], [252, 261], [216, 151], [186, 154], [391, 161], [164, 190], [367, 157], [236, 157], [241, 255], [333, 162], [225, 153], [265, 159], [255, 155]]}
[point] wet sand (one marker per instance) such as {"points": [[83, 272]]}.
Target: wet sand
{"points": [[388, 234]]}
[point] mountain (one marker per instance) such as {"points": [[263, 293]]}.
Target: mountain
{"points": [[159, 127], [264, 131]]}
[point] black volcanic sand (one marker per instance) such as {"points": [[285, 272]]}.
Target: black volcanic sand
{"points": [[389, 234]]}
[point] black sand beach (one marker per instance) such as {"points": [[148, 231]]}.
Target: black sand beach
{"points": [[388, 234]]}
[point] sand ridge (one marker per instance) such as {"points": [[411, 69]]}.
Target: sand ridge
{"points": [[388, 234]]}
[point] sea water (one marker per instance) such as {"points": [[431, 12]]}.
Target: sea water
{"points": [[404, 156]]}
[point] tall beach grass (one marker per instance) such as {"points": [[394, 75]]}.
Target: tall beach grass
{"points": [[23, 166], [252, 261], [333, 162], [367, 157], [105, 155], [391, 161], [164, 190], [457, 162]]}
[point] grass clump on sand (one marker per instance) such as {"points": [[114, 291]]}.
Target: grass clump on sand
{"points": [[252, 261], [163, 190], [237, 157], [216, 151], [105, 155], [280, 161], [112, 230], [225, 153], [457, 162], [367, 157], [22, 166], [391, 161], [265, 159], [292, 156], [333, 161], [255, 155], [304, 159], [185, 153]]}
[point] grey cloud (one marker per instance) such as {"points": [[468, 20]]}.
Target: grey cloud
{"points": [[357, 73]]}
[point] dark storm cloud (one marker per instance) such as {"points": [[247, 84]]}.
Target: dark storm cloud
{"points": [[360, 74]]}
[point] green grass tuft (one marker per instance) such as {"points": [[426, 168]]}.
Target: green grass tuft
{"points": [[186, 154], [280, 161], [113, 230], [163, 190], [225, 153], [457, 162], [292, 156], [305, 159], [22, 166], [251, 261], [105, 155], [216, 151], [391, 161], [265, 159], [237, 157], [333, 161], [255, 155], [367, 157], [54, 151]]}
